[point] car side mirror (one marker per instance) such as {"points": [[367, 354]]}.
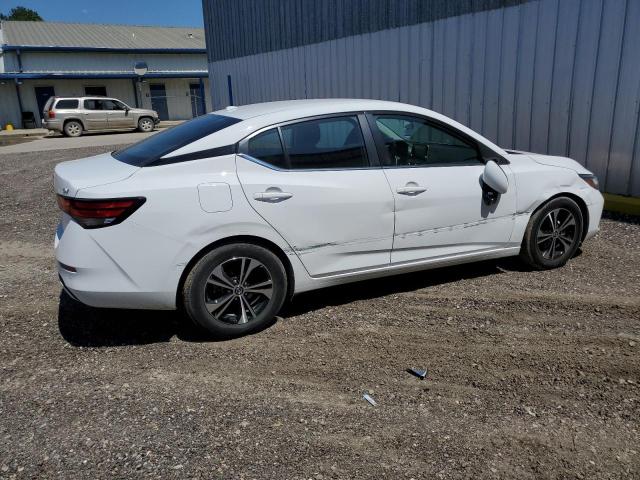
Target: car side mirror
{"points": [[494, 182], [495, 177]]}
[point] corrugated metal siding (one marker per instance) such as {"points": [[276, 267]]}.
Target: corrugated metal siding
{"points": [[552, 76], [237, 28]]}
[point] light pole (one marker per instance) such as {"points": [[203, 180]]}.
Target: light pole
{"points": [[140, 69]]}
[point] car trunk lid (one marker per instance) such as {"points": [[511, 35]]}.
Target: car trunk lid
{"points": [[71, 177]]}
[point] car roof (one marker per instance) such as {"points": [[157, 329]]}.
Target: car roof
{"points": [[308, 107], [261, 115]]}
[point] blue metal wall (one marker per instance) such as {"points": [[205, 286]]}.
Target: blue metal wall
{"points": [[553, 76]]}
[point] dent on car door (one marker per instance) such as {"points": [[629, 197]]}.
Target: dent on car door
{"points": [[435, 175], [314, 183]]}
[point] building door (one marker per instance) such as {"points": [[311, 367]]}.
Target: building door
{"points": [[42, 95], [159, 100], [196, 100]]}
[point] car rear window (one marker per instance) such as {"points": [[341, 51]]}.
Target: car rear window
{"points": [[66, 104], [148, 151]]}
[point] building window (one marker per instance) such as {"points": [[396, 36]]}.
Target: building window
{"points": [[95, 90]]}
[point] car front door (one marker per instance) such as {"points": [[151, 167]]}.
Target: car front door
{"points": [[118, 115], [435, 175], [95, 117], [314, 182]]}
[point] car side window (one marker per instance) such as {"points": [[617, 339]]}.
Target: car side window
{"points": [[266, 146], [327, 143], [93, 104], [67, 104], [110, 105], [414, 142]]}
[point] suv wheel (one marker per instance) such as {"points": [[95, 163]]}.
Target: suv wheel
{"points": [[73, 128], [235, 289], [553, 234], [145, 124]]}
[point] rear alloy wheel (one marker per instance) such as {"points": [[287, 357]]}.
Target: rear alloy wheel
{"points": [[235, 289], [73, 128], [553, 234], [145, 124]]}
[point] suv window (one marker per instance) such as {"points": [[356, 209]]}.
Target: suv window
{"points": [[112, 105], [93, 104], [327, 143], [412, 141], [66, 104], [151, 149], [266, 146]]}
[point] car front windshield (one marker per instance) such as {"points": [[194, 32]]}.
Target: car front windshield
{"points": [[147, 151]]}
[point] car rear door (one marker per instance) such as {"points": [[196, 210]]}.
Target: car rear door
{"points": [[435, 175], [95, 117], [314, 181]]}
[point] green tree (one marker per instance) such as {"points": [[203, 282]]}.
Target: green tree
{"points": [[22, 13]]}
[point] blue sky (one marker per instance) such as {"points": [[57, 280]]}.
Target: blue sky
{"points": [[180, 13]]}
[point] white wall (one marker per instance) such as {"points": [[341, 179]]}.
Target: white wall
{"points": [[82, 62], [117, 88], [178, 99]]}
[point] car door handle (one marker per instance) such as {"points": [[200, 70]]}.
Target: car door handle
{"points": [[272, 196], [411, 190]]}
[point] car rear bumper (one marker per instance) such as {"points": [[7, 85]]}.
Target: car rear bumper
{"points": [[91, 275], [55, 125]]}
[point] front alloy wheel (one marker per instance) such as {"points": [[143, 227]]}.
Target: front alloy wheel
{"points": [[557, 234], [553, 235], [145, 124], [235, 289]]}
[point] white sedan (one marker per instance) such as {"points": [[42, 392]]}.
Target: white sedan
{"points": [[231, 213]]}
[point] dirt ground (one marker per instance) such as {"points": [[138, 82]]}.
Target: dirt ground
{"points": [[530, 374]]}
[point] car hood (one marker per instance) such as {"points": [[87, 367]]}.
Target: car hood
{"points": [[553, 161], [70, 177]]}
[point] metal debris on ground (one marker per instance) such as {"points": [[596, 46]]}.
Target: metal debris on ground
{"points": [[369, 399], [421, 374]]}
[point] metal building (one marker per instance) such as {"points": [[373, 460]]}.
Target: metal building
{"points": [[555, 76], [40, 59]]}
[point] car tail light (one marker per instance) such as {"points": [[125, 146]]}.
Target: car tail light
{"points": [[99, 213], [52, 114]]}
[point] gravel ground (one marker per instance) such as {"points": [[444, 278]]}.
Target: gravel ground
{"points": [[530, 374]]}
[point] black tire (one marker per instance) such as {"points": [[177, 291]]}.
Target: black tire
{"points": [[145, 124], [73, 128], [546, 246], [199, 290]]}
